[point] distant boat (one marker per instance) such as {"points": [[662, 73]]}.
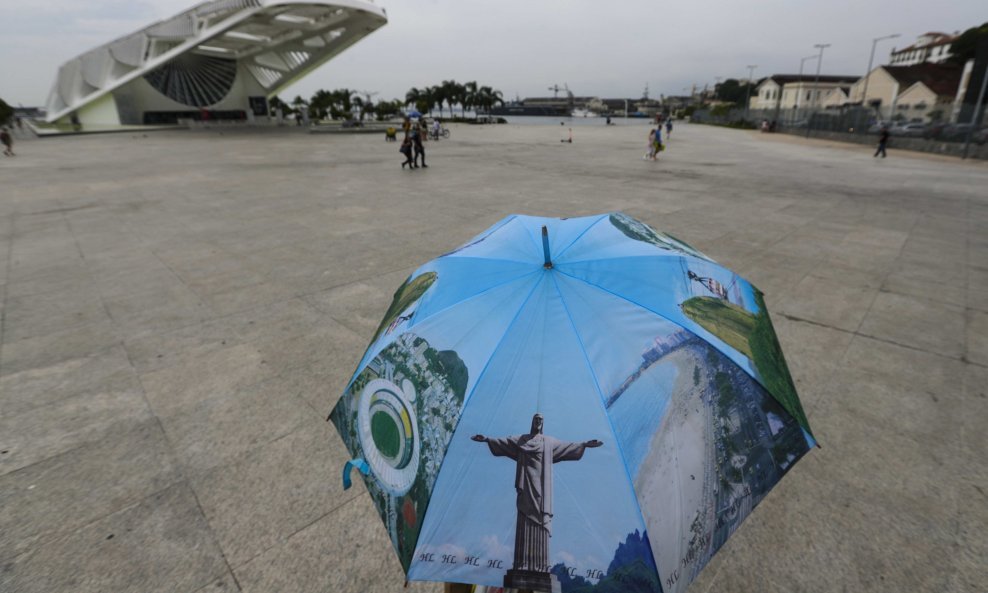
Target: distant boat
{"points": [[584, 113], [520, 108]]}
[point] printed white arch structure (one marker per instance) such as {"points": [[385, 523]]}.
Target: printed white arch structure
{"points": [[221, 56]]}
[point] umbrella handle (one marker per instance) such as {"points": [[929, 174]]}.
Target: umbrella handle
{"points": [[361, 466]]}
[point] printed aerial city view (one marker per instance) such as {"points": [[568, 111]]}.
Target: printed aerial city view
{"points": [[383, 296]]}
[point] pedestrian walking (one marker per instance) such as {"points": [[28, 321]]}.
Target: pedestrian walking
{"points": [[883, 140], [657, 143], [669, 128], [418, 147], [650, 147], [8, 142], [406, 149]]}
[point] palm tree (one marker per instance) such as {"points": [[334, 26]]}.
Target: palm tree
{"points": [[436, 97], [413, 96], [320, 103], [470, 96], [451, 94], [488, 97]]}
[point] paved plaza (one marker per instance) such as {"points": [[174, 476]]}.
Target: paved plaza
{"points": [[182, 309]]}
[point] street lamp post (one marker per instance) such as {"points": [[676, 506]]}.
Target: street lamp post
{"points": [[747, 100], [799, 93], [977, 113], [816, 84], [871, 58]]}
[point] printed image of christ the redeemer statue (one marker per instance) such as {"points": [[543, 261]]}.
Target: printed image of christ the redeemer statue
{"points": [[534, 454]]}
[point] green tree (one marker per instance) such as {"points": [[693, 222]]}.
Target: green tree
{"points": [[722, 110], [388, 109], [319, 104], [487, 97], [470, 96], [964, 47], [732, 91], [414, 97], [6, 112], [452, 93], [275, 102], [436, 97]]}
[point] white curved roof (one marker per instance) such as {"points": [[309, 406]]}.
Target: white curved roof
{"points": [[278, 41]]}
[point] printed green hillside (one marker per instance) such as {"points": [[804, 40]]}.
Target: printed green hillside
{"points": [[406, 295], [753, 336], [725, 320]]}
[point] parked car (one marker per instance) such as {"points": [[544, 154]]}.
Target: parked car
{"points": [[912, 130], [951, 132], [935, 131], [956, 133]]}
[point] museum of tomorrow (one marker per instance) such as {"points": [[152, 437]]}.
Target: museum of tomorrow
{"points": [[218, 60]]}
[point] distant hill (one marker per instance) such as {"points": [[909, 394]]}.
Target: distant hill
{"points": [[409, 292], [631, 571]]}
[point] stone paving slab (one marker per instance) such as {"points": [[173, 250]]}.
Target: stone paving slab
{"points": [[180, 310]]}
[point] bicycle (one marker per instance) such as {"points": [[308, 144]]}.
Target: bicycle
{"points": [[443, 132]]}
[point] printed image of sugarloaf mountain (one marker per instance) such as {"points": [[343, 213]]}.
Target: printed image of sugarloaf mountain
{"points": [[399, 415], [631, 571]]}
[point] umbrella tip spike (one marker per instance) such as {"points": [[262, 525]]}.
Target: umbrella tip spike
{"points": [[545, 248]]}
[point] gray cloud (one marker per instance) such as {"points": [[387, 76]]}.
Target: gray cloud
{"points": [[523, 47]]}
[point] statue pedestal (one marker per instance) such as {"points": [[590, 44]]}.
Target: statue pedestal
{"points": [[530, 579]]}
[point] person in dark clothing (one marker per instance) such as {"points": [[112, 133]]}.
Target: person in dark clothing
{"points": [[418, 147], [406, 149], [8, 142], [883, 140]]}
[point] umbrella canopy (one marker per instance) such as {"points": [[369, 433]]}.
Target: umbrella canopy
{"points": [[570, 405]]}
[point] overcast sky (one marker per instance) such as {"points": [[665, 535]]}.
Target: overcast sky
{"points": [[607, 49]]}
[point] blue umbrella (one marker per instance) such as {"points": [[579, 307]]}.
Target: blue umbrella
{"points": [[413, 113], [570, 405]]}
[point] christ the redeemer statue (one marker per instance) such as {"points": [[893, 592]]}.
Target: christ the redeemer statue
{"points": [[534, 454]]}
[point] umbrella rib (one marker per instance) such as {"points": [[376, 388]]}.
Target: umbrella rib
{"points": [[584, 232], [416, 322], [466, 400], [500, 343], [626, 299], [600, 395], [454, 255], [661, 254], [753, 376]]}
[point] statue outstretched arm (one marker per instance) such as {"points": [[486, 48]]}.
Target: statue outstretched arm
{"points": [[479, 438]]}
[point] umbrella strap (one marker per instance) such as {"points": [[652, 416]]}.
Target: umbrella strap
{"points": [[361, 466]]}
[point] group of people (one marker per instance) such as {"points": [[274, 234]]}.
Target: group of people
{"points": [[655, 145], [414, 135]]}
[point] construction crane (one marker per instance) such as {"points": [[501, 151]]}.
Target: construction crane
{"points": [[556, 88]]}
